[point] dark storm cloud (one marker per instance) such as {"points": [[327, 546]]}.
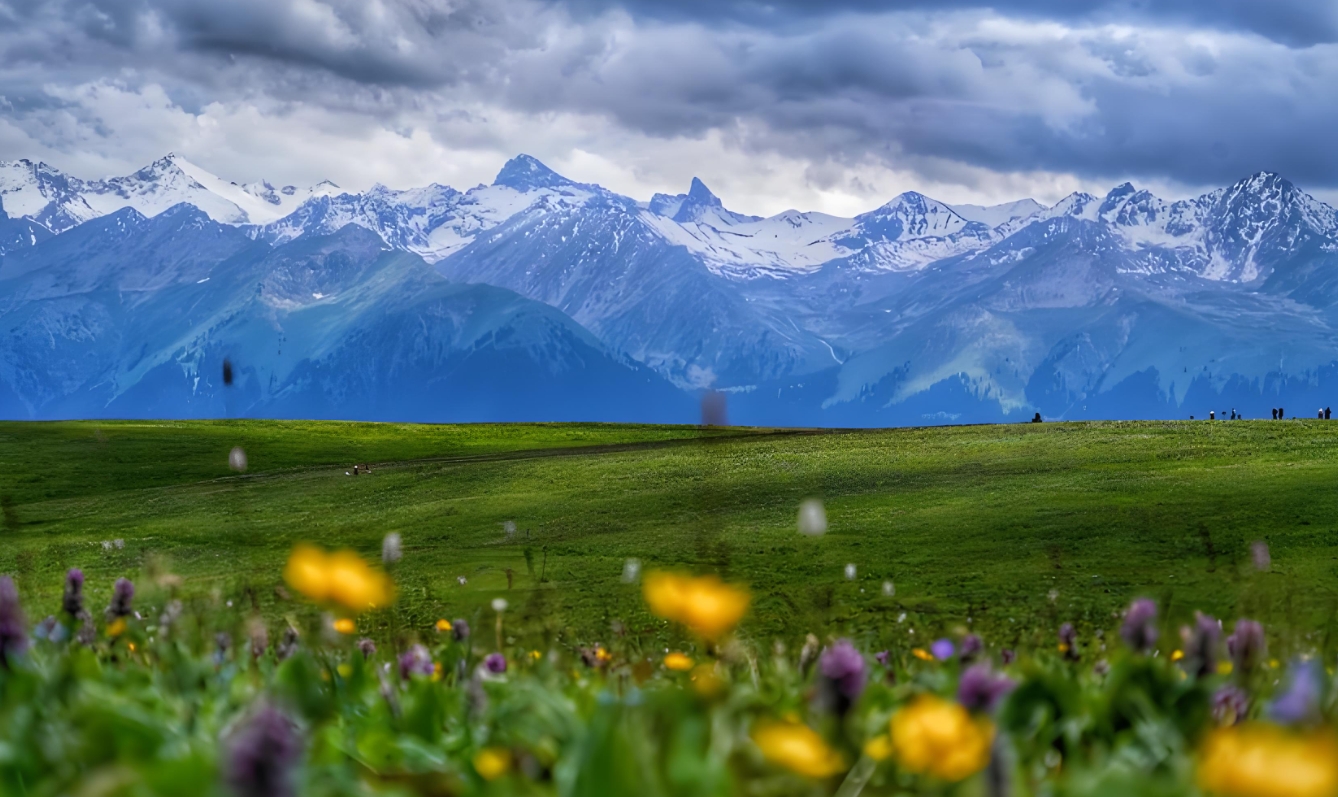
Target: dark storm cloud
{"points": [[913, 84]]}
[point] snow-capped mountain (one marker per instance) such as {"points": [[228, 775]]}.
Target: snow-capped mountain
{"points": [[1117, 306]]}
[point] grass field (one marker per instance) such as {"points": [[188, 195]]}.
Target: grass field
{"points": [[1013, 529]]}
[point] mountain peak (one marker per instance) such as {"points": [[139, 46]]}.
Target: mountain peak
{"points": [[699, 194], [525, 172]]}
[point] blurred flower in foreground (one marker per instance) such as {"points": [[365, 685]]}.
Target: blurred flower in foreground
{"points": [[1203, 645], [1247, 646], [1260, 556], [237, 459], [1230, 705], [73, 599], [812, 518], [392, 548], [678, 662], [799, 749], [415, 661], [972, 647], [262, 754], [942, 649], [341, 578], [1068, 641], [705, 604], [459, 630], [934, 737], [366, 647], [13, 626], [843, 674], [492, 762], [980, 689], [1140, 625], [495, 663], [123, 592], [1258, 760], [344, 625], [1299, 704]]}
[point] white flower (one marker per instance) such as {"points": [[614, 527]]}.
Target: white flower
{"points": [[889, 589], [106, 545], [850, 572], [237, 459], [812, 518], [499, 605], [509, 529], [391, 548], [631, 571], [119, 544], [462, 580]]}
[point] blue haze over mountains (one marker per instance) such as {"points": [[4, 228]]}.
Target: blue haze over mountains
{"points": [[540, 298]]}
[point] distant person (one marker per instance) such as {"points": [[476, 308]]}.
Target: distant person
{"points": [[1212, 415], [1233, 413], [1036, 418], [1327, 413], [1275, 413]]}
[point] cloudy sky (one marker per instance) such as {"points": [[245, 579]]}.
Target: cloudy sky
{"points": [[831, 105]]}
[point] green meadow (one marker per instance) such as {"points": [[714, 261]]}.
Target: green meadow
{"points": [[1009, 530]]}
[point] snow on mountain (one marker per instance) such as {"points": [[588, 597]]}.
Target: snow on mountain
{"points": [[995, 215]]}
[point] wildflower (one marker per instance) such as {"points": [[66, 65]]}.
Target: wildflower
{"points": [[980, 689], [237, 459], [851, 572], [706, 605], [1007, 655], [392, 548], [459, 630], [942, 649], [972, 645], [341, 578], [1140, 625], [262, 754], [1258, 760], [415, 661], [889, 589], [678, 662], [366, 647], [1300, 702], [344, 625], [1260, 556], [812, 518], [492, 762], [631, 571], [842, 672], [706, 681], [1247, 646], [123, 592], [799, 749], [922, 654], [13, 627], [73, 600], [1068, 641], [499, 605], [1230, 705], [461, 580], [443, 625], [1203, 645], [934, 737], [495, 663], [882, 657]]}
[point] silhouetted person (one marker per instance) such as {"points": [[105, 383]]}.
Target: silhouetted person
{"points": [[1212, 415], [227, 372], [1233, 413], [1275, 413], [1036, 418], [1327, 412]]}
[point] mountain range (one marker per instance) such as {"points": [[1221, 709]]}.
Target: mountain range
{"points": [[541, 298]]}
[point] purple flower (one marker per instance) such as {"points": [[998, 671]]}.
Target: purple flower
{"points": [[366, 647], [1300, 703], [123, 592], [1068, 641], [980, 688], [1260, 556], [415, 661], [972, 645], [495, 663], [459, 630], [1247, 646], [881, 657], [942, 649], [1230, 705], [13, 627], [1140, 625], [1007, 655], [73, 600], [262, 754], [843, 666], [1203, 645]]}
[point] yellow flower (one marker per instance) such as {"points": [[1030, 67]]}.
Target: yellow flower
{"points": [[934, 737], [131, 645], [1177, 655], [922, 654], [678, 662], [706, 605], [1224, 668], [879, 748], [492, 762], [443, 625], [603, 656], [705, 682], [344, 625], [536, 655], [1257, 760], [341, 578], [117, 627], [799, 749]]}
